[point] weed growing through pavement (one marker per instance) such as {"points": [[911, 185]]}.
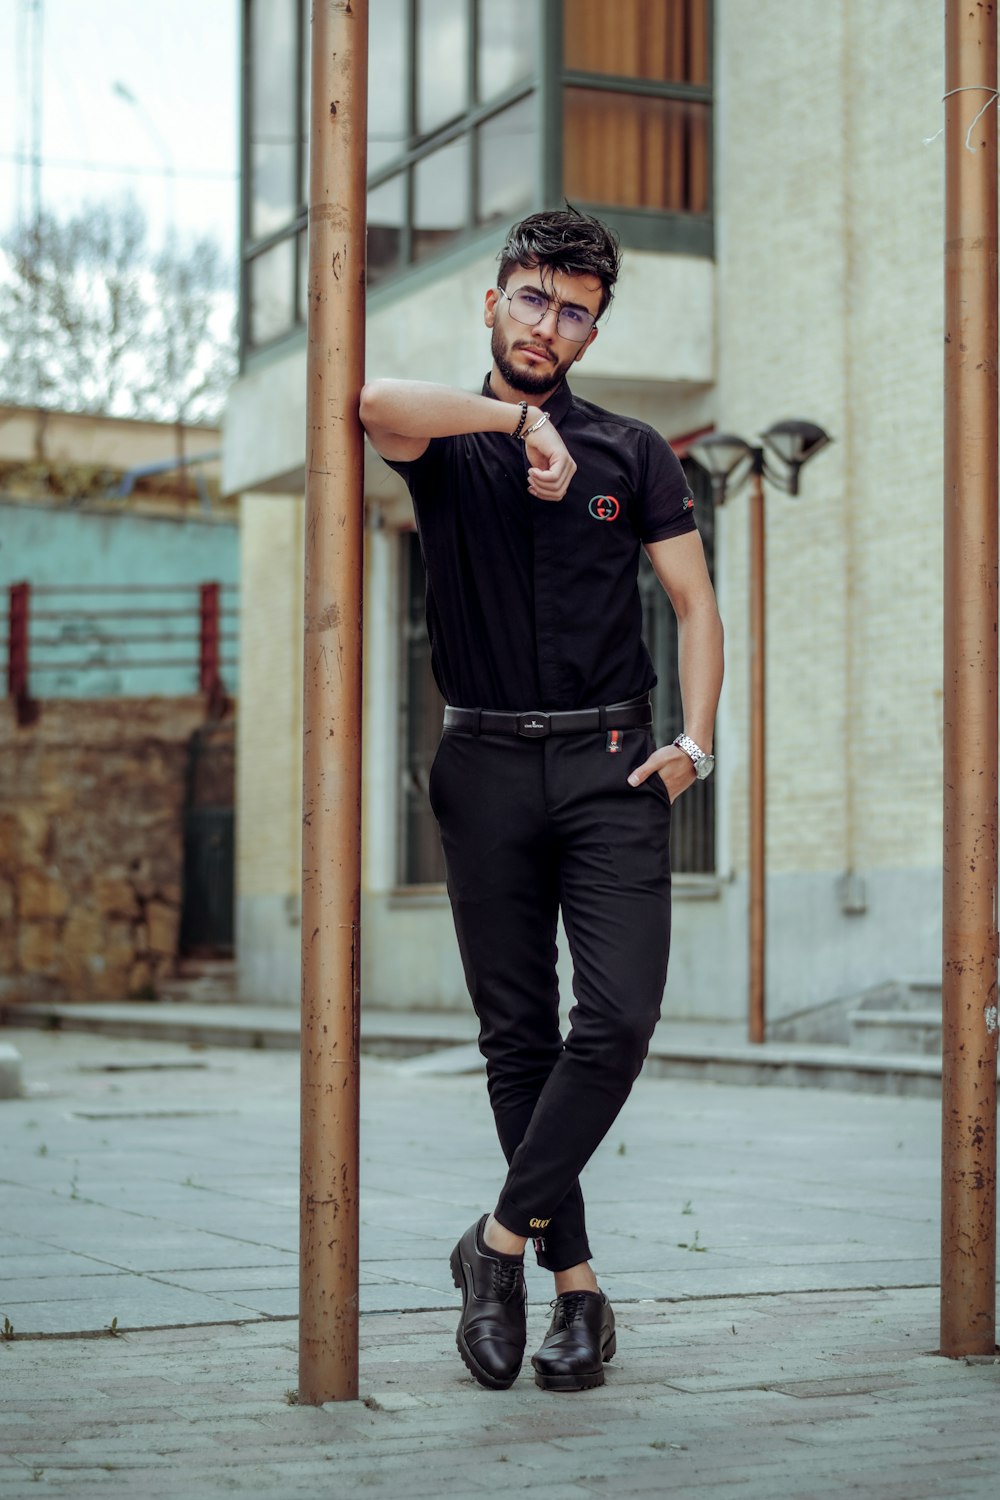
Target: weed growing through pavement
{"points": [[113, 1328], [693, 1244], [8, 1329], [42, 1150], [687, 1209]]}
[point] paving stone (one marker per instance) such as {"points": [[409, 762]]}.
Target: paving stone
{"points": [[819, 1392]]}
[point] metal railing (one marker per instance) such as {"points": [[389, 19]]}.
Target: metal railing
{"points": [[60, 633]]}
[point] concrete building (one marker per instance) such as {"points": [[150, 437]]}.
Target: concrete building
{"points": [[768, 170]]}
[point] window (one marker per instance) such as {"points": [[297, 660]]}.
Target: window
{"points": [[478, 113], [463, 150], [453, 140], [692, 829], [421, 706], [636, 105]]}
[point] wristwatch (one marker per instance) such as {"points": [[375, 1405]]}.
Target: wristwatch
{"points": [[704, 764]]}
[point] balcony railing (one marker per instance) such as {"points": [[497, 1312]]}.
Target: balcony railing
{"points": [[115, 640]]}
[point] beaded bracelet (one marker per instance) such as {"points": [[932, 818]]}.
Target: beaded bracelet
{"points": [[524, 417]]}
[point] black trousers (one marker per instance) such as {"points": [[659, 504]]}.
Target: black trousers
{"points": [[529, 827]]}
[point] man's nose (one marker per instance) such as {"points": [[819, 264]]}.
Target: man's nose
{"points": [[548, 322]]}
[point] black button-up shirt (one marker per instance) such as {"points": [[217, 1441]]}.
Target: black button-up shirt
{"points": [[534, 603]]}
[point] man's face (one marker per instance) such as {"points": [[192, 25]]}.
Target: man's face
{"points": [[533, 357]]}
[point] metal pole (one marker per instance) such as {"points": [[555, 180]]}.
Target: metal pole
{"points": [[969, 969], [757, 751], [331, 797]]}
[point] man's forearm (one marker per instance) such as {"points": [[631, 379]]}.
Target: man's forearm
{"points": [[417, 409], [700, 668]]}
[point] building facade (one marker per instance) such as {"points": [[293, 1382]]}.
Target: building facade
{"points": [[780, 212]]}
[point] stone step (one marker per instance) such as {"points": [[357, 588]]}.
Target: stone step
{"points": [[712, 1053], [201, 981], [890, 1032], [904, 995]]}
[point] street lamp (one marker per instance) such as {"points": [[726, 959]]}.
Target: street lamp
{"points": [[728, 461]]}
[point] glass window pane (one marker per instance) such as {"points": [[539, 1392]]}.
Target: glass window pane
{"points": [[508, 44], [271, 279], [422, 860], [441, 191], [662, 39], [386, 217], [304, 104], [508, 158], [388, 127], [273, 125], [442, 62], [635, 151]]}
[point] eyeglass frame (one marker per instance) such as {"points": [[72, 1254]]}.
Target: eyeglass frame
{"points": [[552, 302]]}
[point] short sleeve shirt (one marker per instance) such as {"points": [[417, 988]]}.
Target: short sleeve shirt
{"points": [[535, 603]]}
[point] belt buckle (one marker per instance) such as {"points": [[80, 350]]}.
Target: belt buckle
{"points": [[533, 726]]}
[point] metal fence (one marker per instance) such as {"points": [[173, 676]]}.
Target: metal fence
{"points": [[120, 640]]}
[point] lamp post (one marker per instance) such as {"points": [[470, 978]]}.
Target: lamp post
{"points": [[128, 97], [729, 460]]}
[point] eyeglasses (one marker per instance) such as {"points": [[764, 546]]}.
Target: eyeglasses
{"points": [[530, 306]]}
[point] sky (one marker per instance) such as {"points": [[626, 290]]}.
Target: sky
{"points": [[178, 59]]}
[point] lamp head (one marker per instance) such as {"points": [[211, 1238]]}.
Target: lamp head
{"points": [[794, 442], [721, 455]]}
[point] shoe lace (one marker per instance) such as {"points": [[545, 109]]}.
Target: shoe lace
{"points": [[569, 1307], [506, 1279]]}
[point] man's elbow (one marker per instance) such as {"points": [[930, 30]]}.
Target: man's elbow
{"points": [[371, 408]]}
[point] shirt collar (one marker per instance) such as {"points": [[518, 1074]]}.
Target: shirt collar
{"points": [[557, 405]]}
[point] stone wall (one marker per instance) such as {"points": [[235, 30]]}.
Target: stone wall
{"points": [[91, 846]]}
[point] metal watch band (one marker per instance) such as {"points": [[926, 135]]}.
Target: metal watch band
{"points": [[696, 755]]}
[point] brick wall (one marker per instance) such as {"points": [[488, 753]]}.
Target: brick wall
{"points": [[830, 225], [91, 845]]}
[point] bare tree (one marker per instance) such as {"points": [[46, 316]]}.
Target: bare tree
{"points": [[92, 319]]}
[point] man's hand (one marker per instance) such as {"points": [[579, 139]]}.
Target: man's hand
{"points": [[674, 768], [551, 466]]}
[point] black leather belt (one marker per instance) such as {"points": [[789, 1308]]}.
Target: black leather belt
{"points": [[637, 713]]}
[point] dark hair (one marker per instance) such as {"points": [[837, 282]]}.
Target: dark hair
{"points": [[564, 240]]}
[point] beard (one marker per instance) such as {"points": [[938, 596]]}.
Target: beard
{"points": [[528, 382]]}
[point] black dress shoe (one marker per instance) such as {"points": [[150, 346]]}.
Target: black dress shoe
{"points": [[492, 1329], [579, 1343]]}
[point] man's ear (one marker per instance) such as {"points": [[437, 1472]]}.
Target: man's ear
{"points": [[591, 336], [490, 307]]}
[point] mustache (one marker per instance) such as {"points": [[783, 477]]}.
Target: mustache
{"points": [[535, 348]]}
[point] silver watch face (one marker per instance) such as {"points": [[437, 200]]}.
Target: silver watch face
{"points": [[705, 767]]}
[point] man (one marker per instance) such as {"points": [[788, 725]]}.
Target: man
{"points": [[550, 795]]}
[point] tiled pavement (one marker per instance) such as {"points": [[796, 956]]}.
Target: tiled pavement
{"points": [[772, 1255]]}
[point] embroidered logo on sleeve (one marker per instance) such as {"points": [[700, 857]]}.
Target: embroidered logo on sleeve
{"points": [[689, 502], [604, 508]]}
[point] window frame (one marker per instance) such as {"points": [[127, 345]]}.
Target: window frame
{"points": [[638, 228]]}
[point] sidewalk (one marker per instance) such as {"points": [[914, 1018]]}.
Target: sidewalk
{"points": [[772, 1255]]}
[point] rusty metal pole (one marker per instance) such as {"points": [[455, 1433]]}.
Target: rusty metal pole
{"points": [[331, 793], [758, 806], [969, 969]]}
